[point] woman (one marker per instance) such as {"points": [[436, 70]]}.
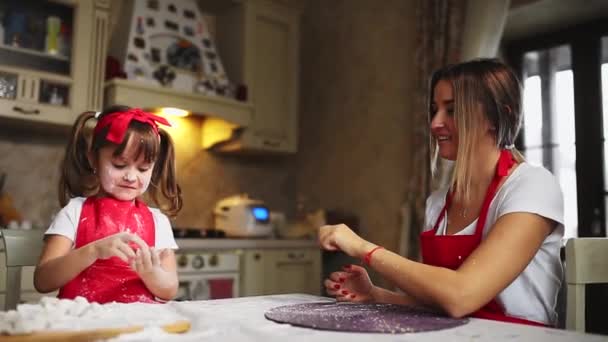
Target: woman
{"points": [[491, 239]]}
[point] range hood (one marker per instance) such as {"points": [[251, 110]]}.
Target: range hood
{"points": [[168, 59], [139, 94]]}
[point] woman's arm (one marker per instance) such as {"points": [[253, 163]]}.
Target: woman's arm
{"points": [[354, 285], [500, 258], [382, 295]]}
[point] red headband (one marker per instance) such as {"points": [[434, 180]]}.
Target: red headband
{"points": [[119, 122]]}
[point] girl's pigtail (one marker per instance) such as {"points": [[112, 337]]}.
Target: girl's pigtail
{"points": [[77, 175], [164, 176]]}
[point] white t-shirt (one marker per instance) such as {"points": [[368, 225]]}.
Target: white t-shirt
{"points": [[66, 224], [533, 294]]}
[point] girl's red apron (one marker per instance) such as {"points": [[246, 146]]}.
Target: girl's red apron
{"points": [[450, 251], [111, 279]]}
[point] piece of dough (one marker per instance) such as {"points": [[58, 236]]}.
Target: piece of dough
{"points": [[53, 314]]}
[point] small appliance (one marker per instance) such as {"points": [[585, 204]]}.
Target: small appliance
{"points": [[241, 216]]}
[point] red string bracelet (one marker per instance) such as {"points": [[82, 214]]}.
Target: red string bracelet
{"points": [[368, 256]]}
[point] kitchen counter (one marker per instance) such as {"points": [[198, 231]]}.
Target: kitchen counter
{"points": [[216, 244], [242, 319]]}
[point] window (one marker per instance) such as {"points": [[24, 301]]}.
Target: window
{"points": [[565, 108], [548, 135]]}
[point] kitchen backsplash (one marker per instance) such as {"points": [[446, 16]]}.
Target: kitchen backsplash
{"points": [[31, 160], [208, 178]]}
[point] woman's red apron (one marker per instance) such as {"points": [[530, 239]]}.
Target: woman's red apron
{"points": [[111, 280], [450, 251]]}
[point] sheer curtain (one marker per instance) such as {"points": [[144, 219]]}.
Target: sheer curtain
{"points": [[439, 31]]}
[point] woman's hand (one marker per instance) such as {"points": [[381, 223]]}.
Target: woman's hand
{"points": [[351, 285], [342, 238], [116, 245]]}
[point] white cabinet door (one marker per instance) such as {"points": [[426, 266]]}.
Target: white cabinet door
{"points": [[259, 44], [272, 74], [294, 271], [275, 271], [258, 41], [253, 272]]}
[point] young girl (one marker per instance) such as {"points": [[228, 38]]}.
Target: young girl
{"points": [[106, 244], [491, 240]]}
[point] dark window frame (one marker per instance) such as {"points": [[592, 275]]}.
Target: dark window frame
{"points": [[585, 46]]}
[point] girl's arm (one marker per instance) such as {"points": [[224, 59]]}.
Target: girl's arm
{"points": [[496, 262], [59, 263]]}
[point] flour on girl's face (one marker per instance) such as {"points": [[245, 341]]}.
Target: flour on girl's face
{"points": [[127, 176]]}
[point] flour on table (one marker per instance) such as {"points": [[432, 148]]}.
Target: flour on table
{"points": [[145, 335], [53, 314]]}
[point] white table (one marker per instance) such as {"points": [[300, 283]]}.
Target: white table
{"points": [[242, 319]]}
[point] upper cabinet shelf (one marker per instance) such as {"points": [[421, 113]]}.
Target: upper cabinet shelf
{"points": [[51, 58], [6, 50], [120, 91]]}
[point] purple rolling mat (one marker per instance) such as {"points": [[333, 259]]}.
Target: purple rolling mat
{"points": [[357, 317]]}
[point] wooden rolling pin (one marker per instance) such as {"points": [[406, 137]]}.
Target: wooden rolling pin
{"points": [[90, 335]]}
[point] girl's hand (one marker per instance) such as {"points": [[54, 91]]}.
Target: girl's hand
{"points": [[342, 238], [147, 262], [351, 285], [155, 271], [115, 245]]}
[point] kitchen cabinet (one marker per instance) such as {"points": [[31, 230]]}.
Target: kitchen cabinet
{"points": [[275, 271], [294, 271], [253, 272], [52, 56], [258, 41]]}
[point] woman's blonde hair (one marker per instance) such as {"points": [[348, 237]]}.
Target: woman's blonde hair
{"points": [[484, 89]]}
